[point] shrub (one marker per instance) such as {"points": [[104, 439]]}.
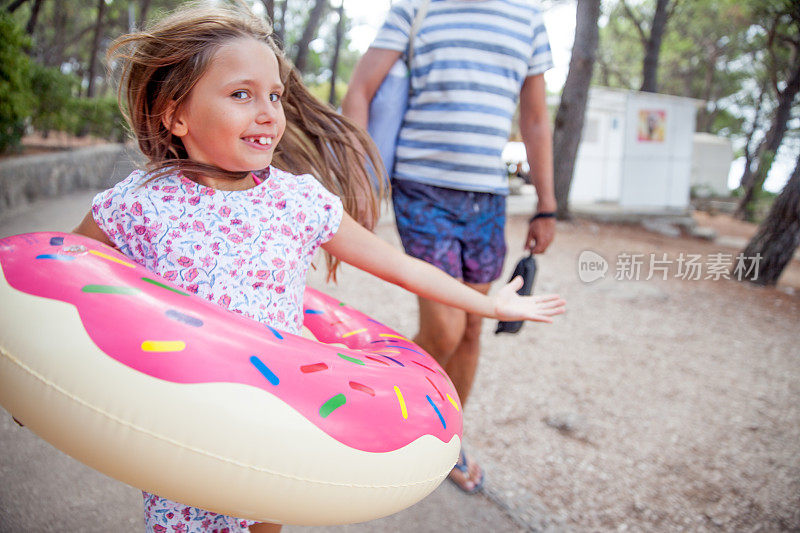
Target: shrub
{"points": [[54, 92], [99, 116], [16, 95]]}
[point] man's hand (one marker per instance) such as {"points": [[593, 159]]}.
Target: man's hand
{"points": [[541, 232]]}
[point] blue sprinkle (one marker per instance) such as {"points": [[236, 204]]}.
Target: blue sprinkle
{"points": [[314, 312], [267, 373], [275, 332], [57, 257], [392, 359], [56, 241], [409, 349], [186, 319], [441, 419]]}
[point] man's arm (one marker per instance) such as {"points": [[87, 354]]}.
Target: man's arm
{"points": [[534, 125], [367, 76]]}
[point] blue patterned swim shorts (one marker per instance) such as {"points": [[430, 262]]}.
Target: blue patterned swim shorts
{"points": [[461, 232]]}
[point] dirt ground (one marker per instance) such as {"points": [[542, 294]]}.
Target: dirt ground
{"points": [[653, 405]]}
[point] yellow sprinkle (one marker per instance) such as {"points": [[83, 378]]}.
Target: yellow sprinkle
{"points": [[163, 346], [394, 336], [388, 351], [356, 332], [402, 401], [111, 258], [453, 402]]}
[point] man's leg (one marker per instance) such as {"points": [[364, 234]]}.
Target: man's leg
{"points": [[463, 362], [452, 337]]}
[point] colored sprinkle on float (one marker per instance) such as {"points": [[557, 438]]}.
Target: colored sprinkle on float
{"points": [[441, 418], [331, 405], [182, 317], [163, 346], [393, 336], [429, 369], [264, 369], [275, 332], [110, 289], [453, 402], [56, 241], [111, 258], [402, 401], [435, 388], [362, 388], [355, 332], [57, 257], [314, 312], [316, 367], [376, 359], [163, 286], [392, 359], [351, 359]]}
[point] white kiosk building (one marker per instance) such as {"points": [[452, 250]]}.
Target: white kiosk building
{"points": [[636, 151]]}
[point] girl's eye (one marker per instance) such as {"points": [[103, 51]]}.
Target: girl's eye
{"points": [[240, 95], [274, 97]]}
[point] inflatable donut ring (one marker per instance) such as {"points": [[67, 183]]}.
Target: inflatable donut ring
{"points": [[177, 396]]}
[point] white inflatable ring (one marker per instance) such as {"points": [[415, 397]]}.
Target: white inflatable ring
{"points": [[180, 397]]}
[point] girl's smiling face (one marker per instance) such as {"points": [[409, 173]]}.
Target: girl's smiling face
{"points": [[233, 117]]}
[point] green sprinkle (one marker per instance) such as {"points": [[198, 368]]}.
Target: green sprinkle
{"points": [[351, 359], [331, 405], [342, 304], [159, 284], [110, 289]]}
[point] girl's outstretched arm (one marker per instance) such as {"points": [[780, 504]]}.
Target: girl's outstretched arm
{"points": [[359, 247]]}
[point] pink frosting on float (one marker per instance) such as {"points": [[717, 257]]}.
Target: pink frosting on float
{"points": [[378, 395]]}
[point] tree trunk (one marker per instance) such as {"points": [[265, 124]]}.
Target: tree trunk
{"points": [[570, 115], [279, 31], [37, 5], [753, 181], [144, 7], [98, 36], [269, 5], [336, 49], [653, 47], [310, 31], [774, 245]]}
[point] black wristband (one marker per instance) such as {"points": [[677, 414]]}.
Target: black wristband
{"points": [[543, 214]]}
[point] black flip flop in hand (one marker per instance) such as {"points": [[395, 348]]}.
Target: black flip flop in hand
{"points": [[526, 267]]}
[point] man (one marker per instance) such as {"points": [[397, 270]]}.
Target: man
{"points": [[473, 61]]}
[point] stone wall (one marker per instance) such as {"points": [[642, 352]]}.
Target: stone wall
{"points": [[29, 178]]}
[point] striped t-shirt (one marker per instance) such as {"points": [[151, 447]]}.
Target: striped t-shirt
{"points": [[470, 60]]}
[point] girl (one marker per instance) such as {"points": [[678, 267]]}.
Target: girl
{"points": [[228, 208]]}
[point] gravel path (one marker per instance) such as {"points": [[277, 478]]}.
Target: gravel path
{"points": [[651, 406]]}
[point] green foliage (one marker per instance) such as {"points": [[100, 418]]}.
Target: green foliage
{"points": [[16, 96], [54, 94], [704, 55], [99, 116]]}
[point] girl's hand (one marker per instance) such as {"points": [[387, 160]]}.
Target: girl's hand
{"points": [[510, 306]]}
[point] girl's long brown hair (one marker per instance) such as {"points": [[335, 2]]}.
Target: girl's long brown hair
{"points": [[160, 66]]}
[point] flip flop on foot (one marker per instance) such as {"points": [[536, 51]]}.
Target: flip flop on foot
{"points": [[467, 475]]}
